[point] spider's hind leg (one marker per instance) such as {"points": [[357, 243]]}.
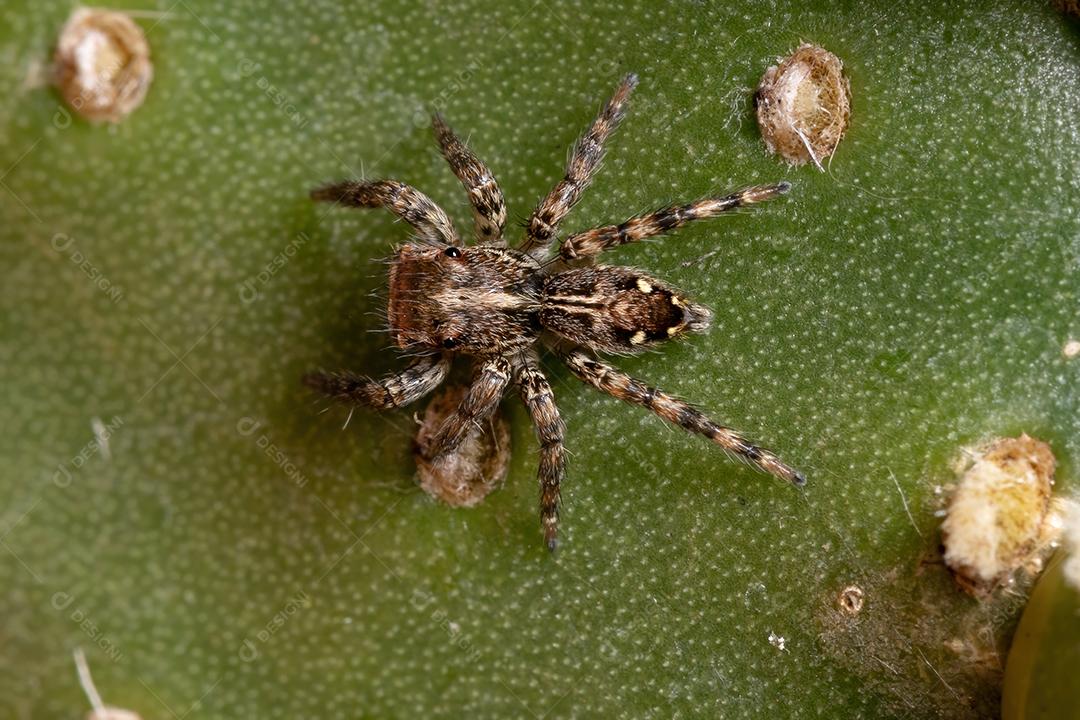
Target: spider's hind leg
{"points": [[538, 398], [407, 386], [489, 384], [618, 384], [485, 196]]}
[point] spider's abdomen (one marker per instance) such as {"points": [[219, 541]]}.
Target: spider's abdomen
{"points": [[617, 309]]}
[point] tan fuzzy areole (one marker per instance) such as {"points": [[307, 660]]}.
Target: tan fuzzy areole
{"points": [[803, 105], [102, 64]]}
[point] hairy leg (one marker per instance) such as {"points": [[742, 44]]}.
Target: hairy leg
{"points": [[409, 385], [488, 386], [584, 160], [408, 203], [593, 242], [538, 398], [618, 384], [489, 208]]}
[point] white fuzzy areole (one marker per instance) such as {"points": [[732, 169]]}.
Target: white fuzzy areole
{"points": [[972, 523], [995, 515], [1071, 533]]}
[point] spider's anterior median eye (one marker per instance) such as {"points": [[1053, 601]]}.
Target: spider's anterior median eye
{"points": [[452, 252], [450, 343]]}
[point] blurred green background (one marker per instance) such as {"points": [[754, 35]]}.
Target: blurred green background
{"points": [[235, 553]]}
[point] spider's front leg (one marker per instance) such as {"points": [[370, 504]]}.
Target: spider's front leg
{"points": [[591, 243], [540, 400], [618, 384], [488, 386], [485, 196], [584, 161], [407, 386], [405, 201]]}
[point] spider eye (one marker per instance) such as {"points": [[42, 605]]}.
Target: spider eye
{"points": [[452, 252], [450, 343]]}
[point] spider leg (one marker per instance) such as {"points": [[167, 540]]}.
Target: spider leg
{"points": [[540, 400], [618, 384], [488, 386], [489, 208], [408, 203], [584, 161], [409, 385], [591, 243]]}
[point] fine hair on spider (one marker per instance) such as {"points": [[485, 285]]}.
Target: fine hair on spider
{"points": [[500, 305]]}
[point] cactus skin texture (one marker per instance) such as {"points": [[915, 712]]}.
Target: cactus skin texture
{"points": [[204, 535]]}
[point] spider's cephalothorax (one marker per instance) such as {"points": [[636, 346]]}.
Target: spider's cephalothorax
{"points": [[499, 304], [477, 300]]}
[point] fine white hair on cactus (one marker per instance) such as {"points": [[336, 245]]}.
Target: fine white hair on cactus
{"points": [[100, 710]]}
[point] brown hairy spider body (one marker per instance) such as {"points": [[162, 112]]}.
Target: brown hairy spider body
{"points": [[499, 305], [484, 300]]}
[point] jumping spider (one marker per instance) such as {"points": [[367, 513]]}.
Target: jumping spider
{"points": [[498, 304]]}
